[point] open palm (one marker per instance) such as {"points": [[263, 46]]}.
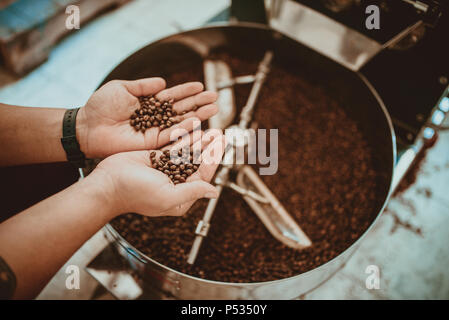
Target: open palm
{"points": [[103, 125], [134, 186]]}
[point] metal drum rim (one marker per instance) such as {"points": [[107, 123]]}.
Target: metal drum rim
{"points": [[145, 259]]}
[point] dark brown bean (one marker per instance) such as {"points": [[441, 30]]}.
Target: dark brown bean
{"points": [[152, 113], [309, 184]]}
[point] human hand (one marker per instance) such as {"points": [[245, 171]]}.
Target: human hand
{"points": [[103, 125], [132, 185]]}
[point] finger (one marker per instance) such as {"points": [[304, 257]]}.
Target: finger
{"points": [[194, 102], [178, 210], [173, 133], [205, 171], [202, 113], [210, 157], [189, 191], [144, 87], [180, 91], [189, 140], [206, 139]]}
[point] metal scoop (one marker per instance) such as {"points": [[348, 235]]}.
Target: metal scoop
{"points": [[261, 200]]}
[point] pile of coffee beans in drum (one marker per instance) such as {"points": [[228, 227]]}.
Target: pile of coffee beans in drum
{"points": [[178, 165], [329, 179], [153, 113]]}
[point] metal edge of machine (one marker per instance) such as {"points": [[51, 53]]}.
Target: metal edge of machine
{"points": [[184, 286]]}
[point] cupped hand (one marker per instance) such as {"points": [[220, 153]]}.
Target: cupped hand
{"points": [[103, 125], [132, 185]]}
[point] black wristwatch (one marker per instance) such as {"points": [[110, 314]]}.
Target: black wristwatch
{"points": [[69, 141]]}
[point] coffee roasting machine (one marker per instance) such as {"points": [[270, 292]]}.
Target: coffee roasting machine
{"points": [[404, 63]]}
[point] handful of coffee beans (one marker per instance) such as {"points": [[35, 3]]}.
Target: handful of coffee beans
{"points": [[177, 165], [153, 113]]}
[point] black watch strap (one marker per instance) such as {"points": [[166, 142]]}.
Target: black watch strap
{"points": [[69, 141]]}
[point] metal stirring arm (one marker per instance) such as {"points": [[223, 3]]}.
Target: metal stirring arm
{"points": [[262, 71], [222, 175], [272, 214], [266, 206], [203, 226]]}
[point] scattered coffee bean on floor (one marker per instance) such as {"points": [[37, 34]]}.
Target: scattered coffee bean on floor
{"points": [[177, 165], [153, 113]]}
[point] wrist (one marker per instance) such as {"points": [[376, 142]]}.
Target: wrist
{"points": [[103, 189], [82, 130]]}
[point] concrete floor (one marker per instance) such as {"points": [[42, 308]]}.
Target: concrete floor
{"points": [[412, 260]]}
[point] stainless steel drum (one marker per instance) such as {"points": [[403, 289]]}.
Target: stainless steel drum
{"points": [[360, 100]]}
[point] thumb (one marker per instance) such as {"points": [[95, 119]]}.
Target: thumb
{"points": [[144, 87], [191, 191]]}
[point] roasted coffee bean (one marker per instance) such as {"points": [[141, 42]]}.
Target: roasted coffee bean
{"points": [[336, 165], [152, 113], [173, 168]]}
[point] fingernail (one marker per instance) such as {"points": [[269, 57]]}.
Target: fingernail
{"points": [[211, 195]]}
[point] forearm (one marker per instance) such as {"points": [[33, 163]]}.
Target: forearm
{"points": [[30, 135], [38, 241]]}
